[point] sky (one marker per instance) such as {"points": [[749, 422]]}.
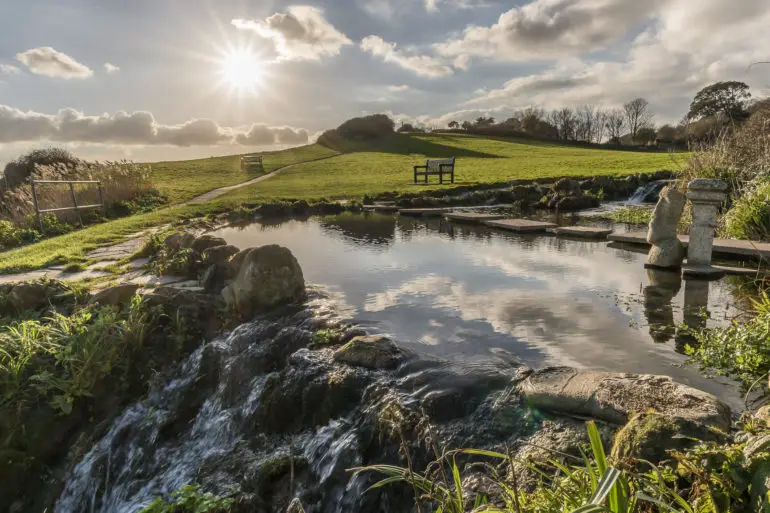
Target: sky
{"points": [[170, 79]]}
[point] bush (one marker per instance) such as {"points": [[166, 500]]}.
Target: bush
{"points": [[18, 171], [368, 127], [189, 499], [749, 217]]}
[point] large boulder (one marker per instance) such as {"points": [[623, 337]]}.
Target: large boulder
{"points": [[665, 217], [649, 436], [577, 202], [204, 242], [219, 255], [614, 397], [567, 187], [118, 295], [28, 296], [267, 277], [179, 240], [372, 352]]}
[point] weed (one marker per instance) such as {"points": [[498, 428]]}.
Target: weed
{"points": [[630, 215], [190, 499], [749, 217]]}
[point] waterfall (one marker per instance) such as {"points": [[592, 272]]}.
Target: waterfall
{"points": [[648, 193]]}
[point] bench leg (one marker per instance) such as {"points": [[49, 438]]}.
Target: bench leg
{"points": [[441, 178], [453, 177], [426, 177]]}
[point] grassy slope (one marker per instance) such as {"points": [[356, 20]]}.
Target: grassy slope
{"points": [[186, 179], [479, 160]]}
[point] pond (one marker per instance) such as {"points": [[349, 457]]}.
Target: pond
{"points": [[467, 292]]}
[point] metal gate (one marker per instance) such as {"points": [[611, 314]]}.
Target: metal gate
{"points": [[77, 208]]}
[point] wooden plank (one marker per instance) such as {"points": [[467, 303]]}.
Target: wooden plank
{"points": [[473, 217], [521, 225], [721, 246], [387, 209], [585, 232]]}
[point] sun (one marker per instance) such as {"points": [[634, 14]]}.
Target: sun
{"points": [[242, 70]]}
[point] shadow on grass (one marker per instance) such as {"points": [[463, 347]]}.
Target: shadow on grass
{"points": [[403, 144]]}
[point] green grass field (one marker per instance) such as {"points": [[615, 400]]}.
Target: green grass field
{"points": [[183, 180], [388, 166]]}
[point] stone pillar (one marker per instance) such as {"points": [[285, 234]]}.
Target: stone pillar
{"points": [[706, 197]]}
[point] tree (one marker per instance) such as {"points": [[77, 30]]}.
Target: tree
{"points": [[454, 124], [638, 116], [587, 118], [667, 133], [646, 134], [482, 122], [531, 119], [565, 121], [722, 98], [406, 127], [615, 122], [467, 125]]}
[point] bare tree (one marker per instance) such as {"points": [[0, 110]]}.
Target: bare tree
{"points": [[531, 118], [565, 122], [600, 125], [586, 120], [638, 116], [615, 123]]}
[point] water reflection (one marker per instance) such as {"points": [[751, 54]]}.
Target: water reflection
{"points": [[463, 291], [696, 298]]}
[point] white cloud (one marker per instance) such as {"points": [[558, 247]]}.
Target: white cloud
{"points": [[8, 69], [431, 5], [136, 128], [462, 62], [51, 63], [545, 29], [687, 46], [301, 33], [423, 65], [398, 88], [111, 68]]}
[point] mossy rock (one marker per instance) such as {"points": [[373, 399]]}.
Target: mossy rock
{"points": [[371, 352], [650, 436]]}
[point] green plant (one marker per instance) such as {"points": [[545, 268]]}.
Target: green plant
{"points": [[630, 215], [741, 350], [190, 499], [749, 216], [177, 262]]}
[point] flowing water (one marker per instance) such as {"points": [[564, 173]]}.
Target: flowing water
{"points": [[258, 412], [648, 193]]}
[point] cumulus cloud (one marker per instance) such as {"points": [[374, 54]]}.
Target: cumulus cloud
{"points": [[136, 128], [8, 69], [422, 65], [301, 33], [111, 68], [551, 29], [51, 63], [687, 46]]}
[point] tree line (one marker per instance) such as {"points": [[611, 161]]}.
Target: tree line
{"points": [[714, 108]]}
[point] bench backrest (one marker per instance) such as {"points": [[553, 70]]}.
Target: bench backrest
{"points": [[435, 164]]}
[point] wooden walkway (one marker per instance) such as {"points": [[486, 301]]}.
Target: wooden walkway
{"points": [[721, 246]]}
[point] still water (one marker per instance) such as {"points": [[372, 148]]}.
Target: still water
{"points": [[463, 291]]}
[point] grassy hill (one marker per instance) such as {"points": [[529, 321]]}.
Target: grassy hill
{"points": [[387, 166], [183, 180]]}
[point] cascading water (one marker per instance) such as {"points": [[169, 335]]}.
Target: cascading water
{"points": [[648, 193], [260, 414]]}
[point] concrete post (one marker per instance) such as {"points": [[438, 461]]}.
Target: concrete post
{"points": [[706, 196]]}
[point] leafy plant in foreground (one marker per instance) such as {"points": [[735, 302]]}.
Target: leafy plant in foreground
{"points": [[190, 499]]}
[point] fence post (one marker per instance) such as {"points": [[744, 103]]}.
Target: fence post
{"points": [[37, 208], [75, 202], [101, 199]]}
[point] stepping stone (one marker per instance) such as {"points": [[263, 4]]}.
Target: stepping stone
{"points": [[721, 246], [585, 232], [521, 225], [472, 217], [425, 212], [386, 209], [740, 271], [118, 251]]}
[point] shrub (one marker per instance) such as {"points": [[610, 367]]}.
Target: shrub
{"points": [[18, 171], [749, 217], [190, 499], [368, 127]]}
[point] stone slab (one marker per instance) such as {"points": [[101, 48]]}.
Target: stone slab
{"points": [[703, 272], [473, 217], [586, 232], [385, 209], [721, 246], [52, 274], [118, 251], [521, 225], [424, 212]]}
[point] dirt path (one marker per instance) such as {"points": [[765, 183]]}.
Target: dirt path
{"points": [[208, 196]]}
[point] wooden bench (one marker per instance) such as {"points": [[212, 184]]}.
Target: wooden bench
{"points": [[249, 160], [436, 167]]}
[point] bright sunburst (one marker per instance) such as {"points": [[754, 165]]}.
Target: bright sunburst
{"points": [[242, 70]]}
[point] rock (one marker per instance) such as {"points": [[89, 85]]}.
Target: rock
{"points": [[665, 217], [650, 435], [197, 313], [268, 276], [760, 486], [179, 240], [763, 414], [372, 352], [567, 187], [614, 397], [28, 296], [667, 251], [117, 295], [205, 242], [219, 255], [577, 203], [756, 447], [666, 254]]}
